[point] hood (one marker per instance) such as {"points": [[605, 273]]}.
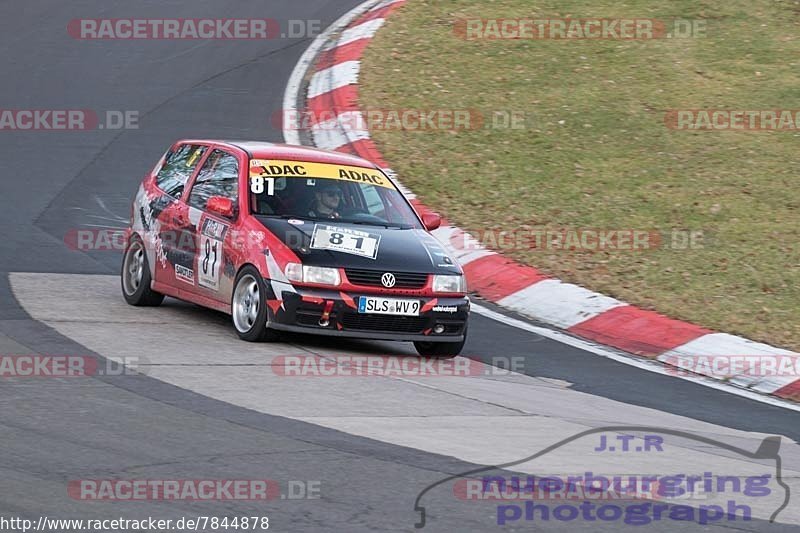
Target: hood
{"points": [[401, 250]]}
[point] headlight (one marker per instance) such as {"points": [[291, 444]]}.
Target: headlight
{"points": [[312, 274], [442, 283]]}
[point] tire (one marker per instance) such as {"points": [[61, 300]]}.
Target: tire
{"points": [[440, 349], [251, 323], [135, 276]]}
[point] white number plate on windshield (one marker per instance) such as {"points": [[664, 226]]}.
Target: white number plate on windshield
{"points": [[388, 306], [345, 240]]}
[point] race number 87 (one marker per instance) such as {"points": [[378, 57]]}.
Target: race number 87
{"points": [[258, 184], [209, 248]]}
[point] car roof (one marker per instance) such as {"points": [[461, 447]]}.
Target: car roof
{"points": [[267, 150]]}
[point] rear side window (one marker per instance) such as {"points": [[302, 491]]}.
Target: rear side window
{"points": [[218, 177], [178, 168]]}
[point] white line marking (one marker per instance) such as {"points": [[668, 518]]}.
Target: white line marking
{"points": [[385, 3], [562, 304], [332, 78], [725, 345], [362, 31], [340, 131], [299, 72], [632, 360]]}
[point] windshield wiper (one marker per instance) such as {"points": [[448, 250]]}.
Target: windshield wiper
{"points": [[288, 217], [382, 224], [339, 220]]}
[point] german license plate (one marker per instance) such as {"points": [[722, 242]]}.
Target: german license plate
{"points": [[388, 306]]}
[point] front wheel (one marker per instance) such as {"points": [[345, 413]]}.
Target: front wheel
{"points": [[440, 349], [136, 277], [249, 307]]}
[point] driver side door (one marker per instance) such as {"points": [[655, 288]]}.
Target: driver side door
{"points": [[214, 268]]}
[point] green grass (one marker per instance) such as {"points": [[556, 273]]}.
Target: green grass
{"points": [[596, 152]]}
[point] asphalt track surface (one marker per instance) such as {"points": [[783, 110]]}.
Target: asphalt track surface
{"points": [[194, 413]]}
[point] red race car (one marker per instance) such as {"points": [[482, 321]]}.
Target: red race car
{"points": [[286, 238]]}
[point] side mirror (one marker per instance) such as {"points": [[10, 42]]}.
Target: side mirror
{"points": [[222, 206], [431, 221]]}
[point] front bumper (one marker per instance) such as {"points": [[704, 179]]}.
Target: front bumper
{"points": [[328, 312]]}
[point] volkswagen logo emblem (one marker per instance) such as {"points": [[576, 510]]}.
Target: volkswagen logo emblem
{"points": [[388, 280]]}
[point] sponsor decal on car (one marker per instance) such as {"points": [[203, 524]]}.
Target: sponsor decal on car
{"points": [[345, 240], [445, 309], [212, 233], [437, 254], [184, 274], [261, 170]]}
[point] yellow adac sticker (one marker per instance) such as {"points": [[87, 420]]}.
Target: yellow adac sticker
{"points": [[262, 168]]}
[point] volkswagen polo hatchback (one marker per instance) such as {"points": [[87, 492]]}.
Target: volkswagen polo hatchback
{"points": [[286, 238]]}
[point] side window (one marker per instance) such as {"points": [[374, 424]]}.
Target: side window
{"points": [[178, 168], [218, 177]]}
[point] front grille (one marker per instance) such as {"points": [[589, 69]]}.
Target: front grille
{"points": [[372, 278], [394, 324]]}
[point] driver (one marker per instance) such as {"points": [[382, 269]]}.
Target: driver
{"points": [[327, 198]]}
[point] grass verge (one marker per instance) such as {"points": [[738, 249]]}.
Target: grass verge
{"points": [[596, 153]]}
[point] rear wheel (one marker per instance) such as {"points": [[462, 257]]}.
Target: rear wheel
{"points": [[136, 277], [440, 349], [249, 307]]}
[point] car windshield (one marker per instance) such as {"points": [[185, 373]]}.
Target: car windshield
{"points": [[316, 191]]}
